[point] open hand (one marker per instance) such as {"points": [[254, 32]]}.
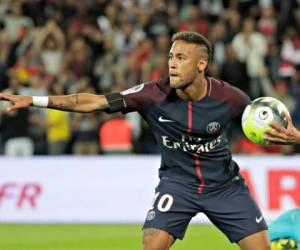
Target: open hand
{"points": [[17, 101], [281, 135]]}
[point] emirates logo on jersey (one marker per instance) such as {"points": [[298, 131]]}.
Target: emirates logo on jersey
{"points": [[192, 144], [213, 127]]}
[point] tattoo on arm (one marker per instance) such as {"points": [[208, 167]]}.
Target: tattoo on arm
{"points": [[66, 104], [76, 98], [81, 102]]}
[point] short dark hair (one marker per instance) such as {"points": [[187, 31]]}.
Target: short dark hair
{"points": [[194, 37]]}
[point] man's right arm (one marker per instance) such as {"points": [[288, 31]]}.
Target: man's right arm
{"points": [[82, 102]]}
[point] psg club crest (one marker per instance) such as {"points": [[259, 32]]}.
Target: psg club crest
{"points": [[213, 127]]}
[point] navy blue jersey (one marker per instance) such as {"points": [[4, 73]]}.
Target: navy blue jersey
{"points": [[190, 134]]}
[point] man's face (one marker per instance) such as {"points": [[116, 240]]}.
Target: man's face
{"points": [[183, 63]]}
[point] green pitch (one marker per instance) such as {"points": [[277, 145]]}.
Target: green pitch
{"points": [[101, 237]]}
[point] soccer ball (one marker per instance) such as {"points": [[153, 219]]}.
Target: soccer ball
{"points": [[258, 116]]}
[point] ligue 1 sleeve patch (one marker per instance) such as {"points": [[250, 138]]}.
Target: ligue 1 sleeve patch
{"points": [[134, 89]]}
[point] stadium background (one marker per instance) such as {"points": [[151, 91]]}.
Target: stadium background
{"points": [[56, 47]]}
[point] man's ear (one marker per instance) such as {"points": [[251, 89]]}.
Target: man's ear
{"points": [[202, 64]]}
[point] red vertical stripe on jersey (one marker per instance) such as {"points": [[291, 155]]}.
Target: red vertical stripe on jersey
{"points": [[196, 156], [198, 172], [190, 116]]}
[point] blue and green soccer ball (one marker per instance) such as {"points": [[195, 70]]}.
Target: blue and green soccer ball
{"points": [[258, 116]]}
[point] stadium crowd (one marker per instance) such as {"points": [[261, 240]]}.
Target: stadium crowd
{"points": [[52, 47]]}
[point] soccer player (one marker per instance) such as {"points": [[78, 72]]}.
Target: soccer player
{"points": [[188, 113], [284, 232]]}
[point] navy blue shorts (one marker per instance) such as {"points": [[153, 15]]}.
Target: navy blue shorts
{"points": [[231, 208]]}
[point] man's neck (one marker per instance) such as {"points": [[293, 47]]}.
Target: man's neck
{"points": [[194, 91]]}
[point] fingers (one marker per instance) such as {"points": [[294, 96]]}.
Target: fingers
{"points": [[2, 96], [277, 134], [289, 120], [274, 138], [277, 127], [16, 101], [270, 133], [5, 97], [15, 107], [11, 108], [11, 99], [277, 141], [281, 135]]}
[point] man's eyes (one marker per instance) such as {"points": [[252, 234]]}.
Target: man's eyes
{"points": [[178, 57]]}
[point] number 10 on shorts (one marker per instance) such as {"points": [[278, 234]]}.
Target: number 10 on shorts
{"points": [[164, 203]]}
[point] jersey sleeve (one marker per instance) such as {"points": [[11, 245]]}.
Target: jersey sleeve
{"points": [[138, 98], [241, 100]]}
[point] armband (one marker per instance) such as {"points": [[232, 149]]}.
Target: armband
{"points": [[115, 102], [40, 101]]}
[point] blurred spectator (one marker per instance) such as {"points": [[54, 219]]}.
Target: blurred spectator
{"points": [[234, 71], [156, 68], [37, 87], [78, 57], [285, 14], [251, 48], [273, 60], [94, 39], [107, 68], [4, 53], [267, 24], [217, 37], [280, 90], [295, 90], [158, 21], [85, 126], [15, 20], [4, 43], [85, 134], [193, 20], [127, 38], [115, 136], [57, 125], [290, 52], [50, 42], [213, 9], [233, 22], [15, 126]]}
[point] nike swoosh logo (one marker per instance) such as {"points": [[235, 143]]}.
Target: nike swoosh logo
{"points": [[258, 220], [162, 119]]}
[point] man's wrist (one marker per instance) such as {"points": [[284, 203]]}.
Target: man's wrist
{"points": [[40, 101]]}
